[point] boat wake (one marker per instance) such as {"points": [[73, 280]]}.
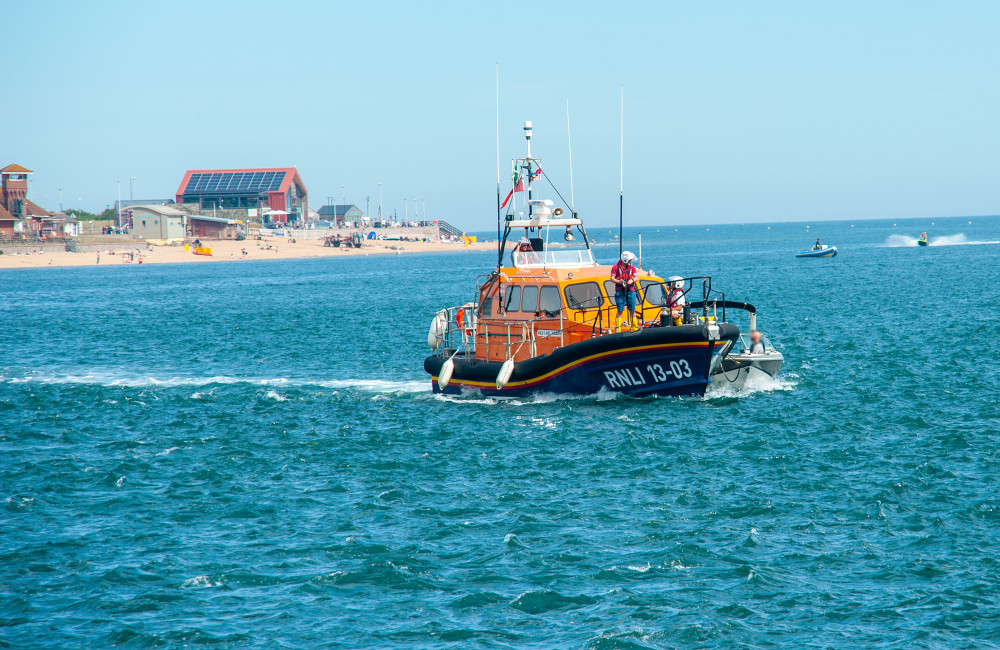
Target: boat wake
{"points": [[905, 241], [755, 383], [475, 397], [114, 379]]}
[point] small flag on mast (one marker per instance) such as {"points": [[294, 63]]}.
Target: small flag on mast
{"points": [[518, 187]]}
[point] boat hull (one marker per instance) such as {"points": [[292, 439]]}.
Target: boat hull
{"points": [[670, 361], [736, 369], [921, 242], [825, 252]]}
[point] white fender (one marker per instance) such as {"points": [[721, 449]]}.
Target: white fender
{"points": [[444, 377], [505, 372], [439, 325]]}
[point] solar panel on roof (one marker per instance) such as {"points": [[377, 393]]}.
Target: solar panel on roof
{"points": [[233, 183]]}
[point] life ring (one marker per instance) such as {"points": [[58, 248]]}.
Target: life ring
{"points": [[460, 317]]}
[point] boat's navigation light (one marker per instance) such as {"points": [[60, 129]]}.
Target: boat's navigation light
{"points": [[527, 136]]}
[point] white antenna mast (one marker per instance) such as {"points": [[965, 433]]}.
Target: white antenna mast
{"points": [[621, 178], [498, 168], [569, 140]]}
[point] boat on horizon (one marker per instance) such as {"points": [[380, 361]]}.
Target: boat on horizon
{"points": [[544, 319]]}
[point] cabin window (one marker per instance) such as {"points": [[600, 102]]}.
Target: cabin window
{"points": [[513, 301], [529, 299], [586, 295], [487, 306], [654, 292], [609, 288], [548, 300]]}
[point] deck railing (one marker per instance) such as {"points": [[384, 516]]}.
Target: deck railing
{"points": [[517, 333]]}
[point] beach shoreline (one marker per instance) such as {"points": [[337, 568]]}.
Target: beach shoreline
{"points": [[128, 253]]}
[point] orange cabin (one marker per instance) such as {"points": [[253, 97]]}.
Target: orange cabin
{"points": [[542, 309]]}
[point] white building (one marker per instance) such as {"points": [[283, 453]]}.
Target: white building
{"points": [[158, 222]]}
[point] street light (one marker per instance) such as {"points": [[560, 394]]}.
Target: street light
{"points": [[130, 179], [380, 201], [119, 206]]}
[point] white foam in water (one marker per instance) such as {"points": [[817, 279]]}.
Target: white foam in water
{"points": [[377, 385], [199, 582], [756, 383], [114, 379], [902, 241]]}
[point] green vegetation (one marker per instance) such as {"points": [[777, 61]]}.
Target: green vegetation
{"points": [[83, 215], [90, 222]]}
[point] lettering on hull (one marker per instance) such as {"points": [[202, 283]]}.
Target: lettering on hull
{"points": [[633, 376]]}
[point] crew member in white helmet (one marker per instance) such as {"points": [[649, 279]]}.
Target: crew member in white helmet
{"points": [[675, 299], [626, 291]]}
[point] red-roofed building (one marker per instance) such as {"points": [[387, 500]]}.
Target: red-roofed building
{"points": [[276, 193], [17, 213]]}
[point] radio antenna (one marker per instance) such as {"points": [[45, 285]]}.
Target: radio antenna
{"points": [[569, 141], [621, 177], [499, 252]]}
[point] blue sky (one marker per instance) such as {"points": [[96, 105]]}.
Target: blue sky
{"points": [[734, 111]]}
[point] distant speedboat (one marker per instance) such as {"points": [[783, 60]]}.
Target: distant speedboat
{"points": [[822, 250]]}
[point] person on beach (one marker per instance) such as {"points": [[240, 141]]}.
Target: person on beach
{"points": [[98, 257], [623, 274]]}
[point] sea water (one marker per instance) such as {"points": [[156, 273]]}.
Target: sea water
{"points": [[248, 454]]}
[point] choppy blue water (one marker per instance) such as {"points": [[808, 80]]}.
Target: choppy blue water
{"points": [[249, 455]]}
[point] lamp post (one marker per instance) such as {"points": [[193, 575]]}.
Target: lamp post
{"points": [[380, 201], [415, 216], [119, 206], [60, 200], [130, 179], [424, 206]]}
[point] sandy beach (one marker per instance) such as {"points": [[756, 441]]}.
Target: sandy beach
{"points": [[222, 251]]}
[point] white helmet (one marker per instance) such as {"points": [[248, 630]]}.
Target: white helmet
{"points": [[628, 257], [677, 281]]}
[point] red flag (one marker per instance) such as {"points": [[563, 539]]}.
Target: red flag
{"points": [[518, 187]]}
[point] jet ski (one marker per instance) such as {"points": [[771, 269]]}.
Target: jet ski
{"points": [[923, 240]]}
